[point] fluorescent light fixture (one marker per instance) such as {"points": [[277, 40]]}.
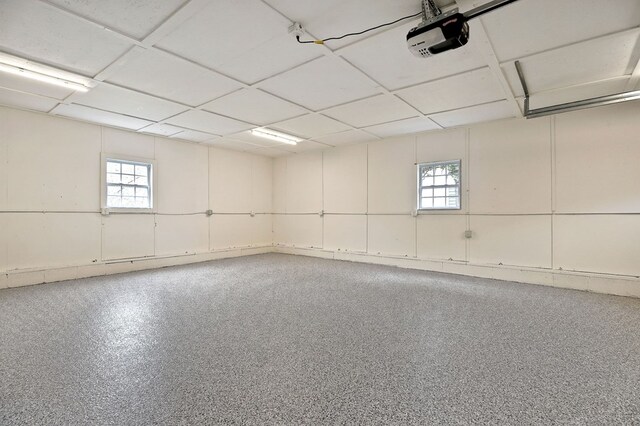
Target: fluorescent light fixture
{"points": [[276, 136], [34, 75]]}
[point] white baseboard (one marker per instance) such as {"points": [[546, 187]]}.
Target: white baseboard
{"points": [[597, 283], [24, 277]]}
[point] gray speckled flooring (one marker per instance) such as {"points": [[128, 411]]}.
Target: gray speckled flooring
{"points": [[290, 340]]}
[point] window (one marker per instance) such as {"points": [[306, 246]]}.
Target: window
{"points": [[127, 184], [439, 185]]}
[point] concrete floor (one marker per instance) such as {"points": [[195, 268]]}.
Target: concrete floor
{"points": [[283, 339]]}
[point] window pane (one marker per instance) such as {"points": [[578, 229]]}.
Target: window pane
{"points": [[128, 201], [128, 179], [141, 170], [113, 167], [141, 180], [114, 190], [426, 203], [439, 202], [427, 181], [128, 169], [452, 192], [142, 202], [452, 202], [113, 201], [441, 171], [142, 192], [451, 180], [113, 178], [128, 191], [440, 180], [427, 192], [439, 192]]}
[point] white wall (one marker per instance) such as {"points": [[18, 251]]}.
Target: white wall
{"points": [[50, 198], [555, 194]]}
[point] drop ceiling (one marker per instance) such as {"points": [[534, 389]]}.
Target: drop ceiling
{"points": [[208, 71]]}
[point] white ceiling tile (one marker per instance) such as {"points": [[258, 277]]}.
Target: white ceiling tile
{"points": [[39, 31], [129, 102], [136, 18], [576, 93], [471, 88], [14, 82], [387, 59], [254, 106], [230, 144], [530, 26], [335, 18], [195, 136], [208, 122], [376, 110], [98, 116], [474, 114], [320, 84], [25, 100], [403, 127], [576, 64], [224, 30], [279, 54], [345, 138], [310, 126], [171, 78], [161, 129]]}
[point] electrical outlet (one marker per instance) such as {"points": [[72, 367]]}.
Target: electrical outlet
{"points": [[296, 29]]}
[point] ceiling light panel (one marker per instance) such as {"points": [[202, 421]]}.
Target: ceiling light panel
{"points": [[250, 138], [321, 84], [24, 100], [129, 102], [18, 83], [254, 106], [385, 59], [530, 26], [235, 26], [578, 63], [471, 88], [311, 126], [172, 78], [403, 127], [474, 114], [102, 117], [34, 29], [209, 123], [135, 18], [376, 110], [276, 136]]}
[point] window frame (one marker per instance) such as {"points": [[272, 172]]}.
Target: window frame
{"points": [[153, 182], [420, 187]]}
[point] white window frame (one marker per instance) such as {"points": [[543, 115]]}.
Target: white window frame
{"points": [[419, 185], [104, 157]]}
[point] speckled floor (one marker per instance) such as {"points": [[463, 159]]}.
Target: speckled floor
{"points": [[277, 339]]}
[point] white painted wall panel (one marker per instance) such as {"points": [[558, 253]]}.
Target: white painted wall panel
{"points": [[4, 241], [298, 230], [116, 141], [53, 164], [392, 235], [511, 240], [510, 167], [392, 176], [261, 184], [597, 243], [345, 179], [597, 152], [441, 236], [127, 236], [229, 181], [182, 171], [345, 232], [39, 240], [232, 231], [279, 186], [179, 234], [304, 183], [4, 146]]}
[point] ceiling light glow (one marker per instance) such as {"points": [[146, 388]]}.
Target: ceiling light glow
{"points": [[33, 75], [276, 136]]}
